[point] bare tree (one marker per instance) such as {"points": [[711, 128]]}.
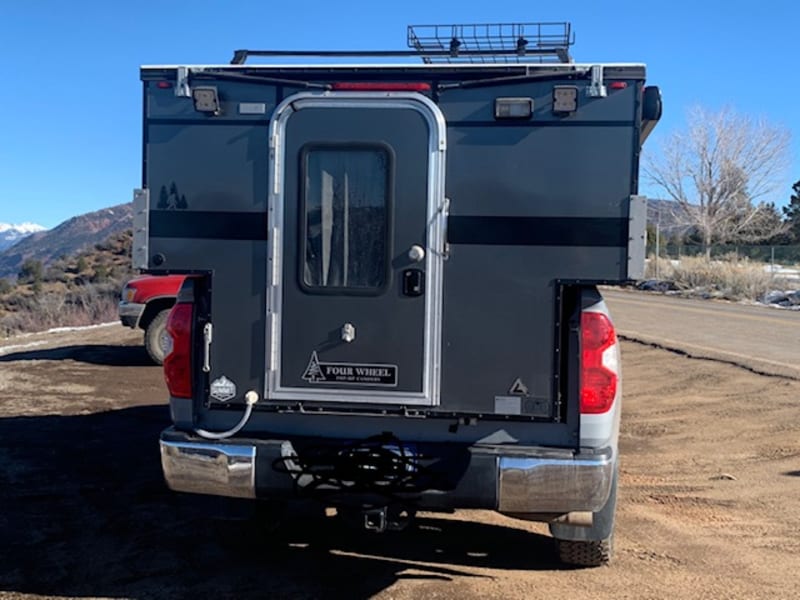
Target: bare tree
{"points": [[720, 171]]}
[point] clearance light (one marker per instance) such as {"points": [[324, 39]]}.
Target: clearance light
{"points": [[205, 99], [513, 108], [379, 86], [565, 99], [618, 85], [599, 363], [164, 85]]}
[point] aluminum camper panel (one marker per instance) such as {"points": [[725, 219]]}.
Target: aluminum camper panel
{"points": [[208, 195], [533, 203]]}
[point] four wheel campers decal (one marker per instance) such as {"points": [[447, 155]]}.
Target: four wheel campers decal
{"points": [[222, 389], [350, 373]]}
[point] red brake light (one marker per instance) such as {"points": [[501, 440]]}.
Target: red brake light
{"points": [[178, 363], [380, 86], [599, 364]]}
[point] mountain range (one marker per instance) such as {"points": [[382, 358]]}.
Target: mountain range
{"points": [[66, 239], [11, 234]]}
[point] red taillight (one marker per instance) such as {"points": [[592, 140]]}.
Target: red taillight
{"points": [[618, 85], [599, 363], [178, 362], [380, 86]]}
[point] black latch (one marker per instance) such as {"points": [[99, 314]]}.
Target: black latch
{"points": [[413, 282]]}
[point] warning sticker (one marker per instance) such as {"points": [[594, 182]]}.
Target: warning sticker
{"points": [[518, 388], [350, 373]]}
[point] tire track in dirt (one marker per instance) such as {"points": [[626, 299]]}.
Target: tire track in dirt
{"points": [[708, 499]]}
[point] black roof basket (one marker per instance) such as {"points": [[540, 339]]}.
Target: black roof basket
{"points": [[492, 42], [471, 43]]}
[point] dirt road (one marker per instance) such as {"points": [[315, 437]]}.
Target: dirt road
{"points": [[710, 498]]}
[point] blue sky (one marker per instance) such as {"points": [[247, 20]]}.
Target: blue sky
{"points": [[70, 122]]}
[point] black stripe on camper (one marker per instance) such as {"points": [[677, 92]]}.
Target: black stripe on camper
{"points": [[537, 231], [208, 225]]}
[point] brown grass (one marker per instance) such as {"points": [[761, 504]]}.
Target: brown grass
{"points": [[728, 277]]}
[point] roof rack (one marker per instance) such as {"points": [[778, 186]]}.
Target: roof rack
{"points": [[493, 42], [471, 43]]}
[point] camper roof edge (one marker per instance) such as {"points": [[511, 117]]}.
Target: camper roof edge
{"points": [[421, 66]]}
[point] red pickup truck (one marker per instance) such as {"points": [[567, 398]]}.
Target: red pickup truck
{"points": [[145, 303]]}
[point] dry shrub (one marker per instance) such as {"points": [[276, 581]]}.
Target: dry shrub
{"points": [[87, 305], [729, 277]]}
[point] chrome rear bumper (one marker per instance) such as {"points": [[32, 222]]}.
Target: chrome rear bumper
{"points": [[521, 480], [545, 485], [217, 469]]}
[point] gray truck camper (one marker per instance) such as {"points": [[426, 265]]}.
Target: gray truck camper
{"points": [[391, 300]]}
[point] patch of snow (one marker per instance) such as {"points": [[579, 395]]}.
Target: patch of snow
{"points": [[7, 349], [21, 336], [787, 273], [82, 328], [782, 299]]}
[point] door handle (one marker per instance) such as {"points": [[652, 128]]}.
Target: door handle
{"points": [[208, 336], [416, 253]]}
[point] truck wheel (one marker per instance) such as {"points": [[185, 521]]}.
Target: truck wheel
{"points": [[156, 338], [589, 553], [589, 546]]}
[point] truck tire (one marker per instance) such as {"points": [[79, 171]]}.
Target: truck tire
{"points": [[155, 337], [589, 546], [588, 553]]}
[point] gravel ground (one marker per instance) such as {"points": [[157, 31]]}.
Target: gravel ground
{"points": [[709, 503]]}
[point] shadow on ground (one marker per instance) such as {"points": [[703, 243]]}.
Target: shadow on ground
{"points": [[85, 513], [96, 354]]}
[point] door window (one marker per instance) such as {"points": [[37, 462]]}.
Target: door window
{"points": [[346, 205]]}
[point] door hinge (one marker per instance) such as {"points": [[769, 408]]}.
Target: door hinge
{"points": [[182, 87], [596, 88]]}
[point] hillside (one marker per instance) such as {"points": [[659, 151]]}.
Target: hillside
{"points": [[664, 212], [66, 239], [80, 289]]}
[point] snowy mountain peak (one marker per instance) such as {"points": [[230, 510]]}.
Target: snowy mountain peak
{"points": [[11, 234], [22, 228]]}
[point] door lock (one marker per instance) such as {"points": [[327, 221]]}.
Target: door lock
{"points": [[413, 282], [348, 332]]}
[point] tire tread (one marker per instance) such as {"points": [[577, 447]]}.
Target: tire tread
{"points": [[589, 553]]}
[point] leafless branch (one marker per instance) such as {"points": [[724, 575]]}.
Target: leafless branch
{"points": [[719, 171]]}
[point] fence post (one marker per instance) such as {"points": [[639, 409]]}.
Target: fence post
{"points": [[658, 246], [772, 260]]}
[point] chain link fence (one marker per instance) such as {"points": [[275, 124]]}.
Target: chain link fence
{"points": [[784, 255]]}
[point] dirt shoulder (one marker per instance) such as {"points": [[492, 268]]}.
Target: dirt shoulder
{"points": [[709, 503]]}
